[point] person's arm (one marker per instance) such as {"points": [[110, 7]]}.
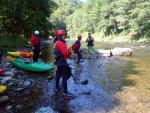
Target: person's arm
{"points": [[86, 40], [32, 41], [61, 46]]}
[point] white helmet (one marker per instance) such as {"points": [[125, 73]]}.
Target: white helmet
{"points": [[36, 32]]}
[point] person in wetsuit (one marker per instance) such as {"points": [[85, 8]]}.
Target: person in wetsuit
{"points": [[63, 69], [76, 46], [35, 43]]}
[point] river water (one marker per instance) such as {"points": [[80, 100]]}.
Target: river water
{"points": [[114, 84], [106, 77]]}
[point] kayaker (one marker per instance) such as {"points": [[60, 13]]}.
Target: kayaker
{"points": [[76, 46], [90, 43], [63, 69], [35, 43]]}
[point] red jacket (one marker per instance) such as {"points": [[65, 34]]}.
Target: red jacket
{"points": [[35, 40], [61, 47]]}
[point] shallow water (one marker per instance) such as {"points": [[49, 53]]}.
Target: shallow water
{"points": [[105, 91]]}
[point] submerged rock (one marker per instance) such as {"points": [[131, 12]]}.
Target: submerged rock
{"points": [[46, 110], [85, 82], [3, 99]]}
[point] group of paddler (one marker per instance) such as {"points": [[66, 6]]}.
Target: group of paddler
{"points": [[62, 53]]}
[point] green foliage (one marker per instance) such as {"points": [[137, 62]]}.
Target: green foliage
{"points": [[111, 17], [25, 16], [7, 42], [103, 18], [65, 8]]}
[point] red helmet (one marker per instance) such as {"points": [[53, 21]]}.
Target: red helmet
{"points": [[59, 32], [79, 37]]}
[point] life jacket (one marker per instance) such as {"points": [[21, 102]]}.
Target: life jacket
{"points": [[76, 45], [61, 54], [90, 41], [35, 41]]}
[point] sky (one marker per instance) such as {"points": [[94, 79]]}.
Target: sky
{"points": [[83, 0]]}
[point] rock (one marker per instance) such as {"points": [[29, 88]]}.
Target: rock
{"points": [[9, 73], [26, 84], [87, 92], [85, 82], [8, 107], [20, 106], [116, 52], [49, 77], [19, 89], [3, 99], [6, 79], [46, 110], [122, 51]]}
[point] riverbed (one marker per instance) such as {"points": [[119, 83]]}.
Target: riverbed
{"points": [[112, 84]]}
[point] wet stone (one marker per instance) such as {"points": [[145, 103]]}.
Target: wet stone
{"points": [[26, 84], [46, 110], [20, 106], [8, 107], [3, 99], [19, 89], [87, 92], [49, 77], [27, 92], [85, 82]]}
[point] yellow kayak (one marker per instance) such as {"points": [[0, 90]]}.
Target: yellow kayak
{"points": [[2, 88]]}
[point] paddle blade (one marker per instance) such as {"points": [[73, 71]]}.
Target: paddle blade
{"points": [[9, 58]]}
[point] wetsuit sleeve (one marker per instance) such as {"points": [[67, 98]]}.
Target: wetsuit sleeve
{"points": [[32, 40], [61, 47]]}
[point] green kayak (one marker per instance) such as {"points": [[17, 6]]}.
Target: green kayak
{"points": [[30, 66]]}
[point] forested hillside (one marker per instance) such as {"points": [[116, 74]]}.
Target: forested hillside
{"points": [[64, 10], [105, 17], [22, 17]]}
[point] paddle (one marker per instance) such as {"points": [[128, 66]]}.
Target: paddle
{"points": [[9, 58]]}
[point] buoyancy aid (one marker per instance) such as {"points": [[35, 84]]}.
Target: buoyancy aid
{"points": [[61, 53], [35, 41], [90, 41]]}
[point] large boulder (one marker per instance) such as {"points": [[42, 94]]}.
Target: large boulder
{"points": [[116, 52], [122, 51]]}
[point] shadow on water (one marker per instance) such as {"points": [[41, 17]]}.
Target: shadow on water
{"points": [[105, 76], [130, 70]]}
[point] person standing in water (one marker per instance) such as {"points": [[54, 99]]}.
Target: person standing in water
{"points": [[76, 46], [90, 43], [63, 69]]}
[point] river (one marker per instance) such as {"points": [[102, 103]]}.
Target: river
{"points": [[113, 84]]}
